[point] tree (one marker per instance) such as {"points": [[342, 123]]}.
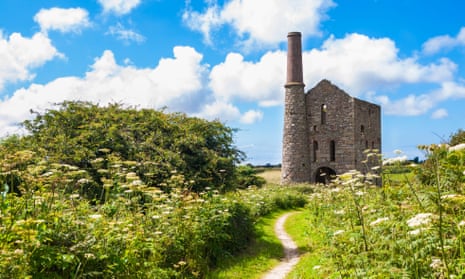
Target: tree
{"points": [[457, 137], [95, 138]]}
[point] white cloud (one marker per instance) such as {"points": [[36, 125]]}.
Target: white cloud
{"points": [[439, 114], [444, 42], [358, 64], [420, 104], [251, 116], [124, 34], [252, 20], [236, 79], [63, 20], [118, 7], [168, 84], [220, 110], [19, 55]]}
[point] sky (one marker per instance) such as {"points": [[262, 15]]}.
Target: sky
{"points": [[226, 60]]}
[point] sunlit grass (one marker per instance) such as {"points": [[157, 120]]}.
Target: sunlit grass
{"points": [[264, 253]]}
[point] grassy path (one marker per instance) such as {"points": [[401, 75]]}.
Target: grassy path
{"points": [[291, 251]]}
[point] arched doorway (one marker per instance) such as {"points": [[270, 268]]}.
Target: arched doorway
{"points": [[324, 175]]}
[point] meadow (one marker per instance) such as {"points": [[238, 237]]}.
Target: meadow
{"points": [[113, 192]]}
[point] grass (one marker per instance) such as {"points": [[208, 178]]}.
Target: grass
{"points": [[262, 255], [314, 262], [272, 176]]}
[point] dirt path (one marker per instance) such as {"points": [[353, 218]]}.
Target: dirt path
{"points": [[291, 252]]}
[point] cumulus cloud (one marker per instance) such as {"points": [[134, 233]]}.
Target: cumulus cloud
{"points": [[63, 20], [439, 114], [252, 20], [444, 42], [172, 79], [251, 116], [358, 64], [262, 82], [19, 55], [420, 104], [124, 34], [118, 7]]}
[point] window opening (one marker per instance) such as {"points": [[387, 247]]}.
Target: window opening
{"points": [[323, 113], [332, 151], [315, 148]]}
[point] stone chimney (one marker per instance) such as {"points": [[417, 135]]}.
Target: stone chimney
{"points": [[295, 152]]}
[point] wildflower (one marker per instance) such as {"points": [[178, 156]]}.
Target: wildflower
{"points": [[378, 221], [89, 256], [339, 212], [47, 174], [436, 263], [95, 216], [338, 232], [83, 181], [415, 232], [461, 223], [457, 147], [449, 196], [74, 196], [419, 219], [19, 251], [316, 267], [158, 233], [399, 159]]}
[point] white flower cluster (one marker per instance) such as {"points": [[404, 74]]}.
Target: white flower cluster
{"points": [[457, 147], [394, 160], [379, 220], [419, 219]]}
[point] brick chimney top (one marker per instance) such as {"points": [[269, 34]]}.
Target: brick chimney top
{"points": [[294, 59]]}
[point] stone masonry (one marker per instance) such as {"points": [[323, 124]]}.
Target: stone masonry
{"points": [[326, 131]]}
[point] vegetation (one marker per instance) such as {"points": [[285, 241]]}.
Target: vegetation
{"points": [[112, 192], [401, 230]]}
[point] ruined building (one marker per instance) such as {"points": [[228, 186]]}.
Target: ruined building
{"points": [[326, 131]]}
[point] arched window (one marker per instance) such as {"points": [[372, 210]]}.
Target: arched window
{"points": [[323, 113], [332, 151], [315, 149]]}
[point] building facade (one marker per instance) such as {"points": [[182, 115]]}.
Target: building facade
{"points": [[326, 131]]}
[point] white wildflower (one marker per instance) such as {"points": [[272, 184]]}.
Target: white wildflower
{"points": [[316, 267], [89, 256], [95, 216], [83, 181], [359, 193], [436, 263], [457, 147], [461, 223], [419, 219], [339, 212], [399, 159], [449, 196], [338, 232], [378, 221], [415, 232]]}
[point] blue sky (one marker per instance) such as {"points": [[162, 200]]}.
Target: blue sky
{"points": [[226, 60]]}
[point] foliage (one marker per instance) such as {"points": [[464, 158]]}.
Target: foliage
{"points": [[97, 140], [457, 137], [247, 176], [405, 230]]}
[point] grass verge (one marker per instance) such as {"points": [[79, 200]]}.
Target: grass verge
{"points": [[262, 255], [314, 262]]}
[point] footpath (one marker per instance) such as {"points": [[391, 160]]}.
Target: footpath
{"points": [[291, 252]]}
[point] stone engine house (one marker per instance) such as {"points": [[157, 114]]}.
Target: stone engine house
{"points": [[326, 131]]}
